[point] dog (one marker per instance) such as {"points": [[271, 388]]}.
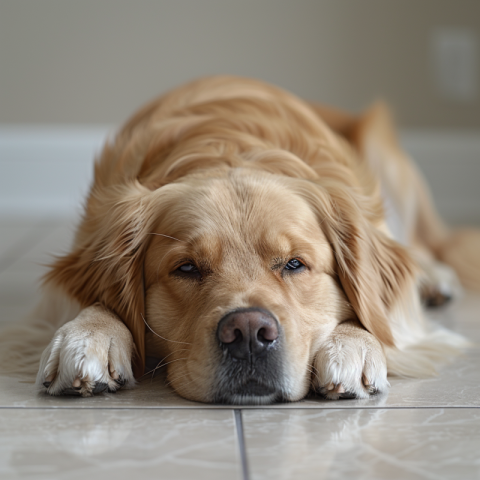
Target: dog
{"points": [[261, 246]]}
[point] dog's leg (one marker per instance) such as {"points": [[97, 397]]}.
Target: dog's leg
{"points": [[350, 364], [88, 355]]}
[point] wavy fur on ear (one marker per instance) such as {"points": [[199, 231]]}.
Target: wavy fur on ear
{"points": [[106, 263], [375, 271]]}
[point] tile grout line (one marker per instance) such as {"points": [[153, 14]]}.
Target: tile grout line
{"points": [[206, 408], [241, 443]]}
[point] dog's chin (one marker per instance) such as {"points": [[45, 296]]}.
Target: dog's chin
{"points": [[251, 393]]}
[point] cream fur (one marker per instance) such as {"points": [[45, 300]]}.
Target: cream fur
{"points": [[238, 177], [94, 348]]}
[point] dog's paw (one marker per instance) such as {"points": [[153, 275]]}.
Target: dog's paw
{"points": [[89, 355], [350, 364], [438, 284]]}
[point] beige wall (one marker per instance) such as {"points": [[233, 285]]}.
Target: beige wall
{"points": [[95, 61]]}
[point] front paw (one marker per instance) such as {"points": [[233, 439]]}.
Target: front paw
{"points": [[89, 355], [350, 364]]}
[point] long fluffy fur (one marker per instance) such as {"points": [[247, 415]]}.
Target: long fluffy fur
{"points": [[331, 160]]}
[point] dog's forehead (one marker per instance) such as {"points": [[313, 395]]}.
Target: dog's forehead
{"points": [[232, 219], [255, 206]]}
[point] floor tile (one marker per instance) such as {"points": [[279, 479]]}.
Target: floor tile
{"points": [[12, 313], [57, 242], [16, 239], [360, 444], [20, 277], [120, 444], [52, 240], [19, 283]]}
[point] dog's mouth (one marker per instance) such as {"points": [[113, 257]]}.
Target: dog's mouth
{"points": [[251, 392], [254, 388]]}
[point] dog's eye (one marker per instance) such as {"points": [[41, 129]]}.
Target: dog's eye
{"points": [[188, 270], [294, 264]]}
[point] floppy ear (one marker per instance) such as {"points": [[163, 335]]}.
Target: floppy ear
{"points": [[374, 270], [106, 264]]}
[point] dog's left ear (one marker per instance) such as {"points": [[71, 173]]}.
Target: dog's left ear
{"points": [[106, 263], [374, 270]]}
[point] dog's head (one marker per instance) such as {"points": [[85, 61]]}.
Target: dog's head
{"points": [[240, 270], [242, 289]]}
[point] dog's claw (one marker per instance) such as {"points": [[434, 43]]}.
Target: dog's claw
{"points": [[72, 391], [347, 395], [99, 388], [371, 389], [121, 381]]}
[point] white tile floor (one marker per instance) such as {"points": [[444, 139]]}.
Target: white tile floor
{"points": [[422, 429]]}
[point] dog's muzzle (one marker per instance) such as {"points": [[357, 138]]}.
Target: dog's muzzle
{"points": [[251, 366]]}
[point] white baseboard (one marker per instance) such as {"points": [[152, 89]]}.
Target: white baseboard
{"points": [[46, 171]]}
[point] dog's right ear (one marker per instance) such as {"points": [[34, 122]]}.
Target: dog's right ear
{"points": [[106, 263], [375, 271]]}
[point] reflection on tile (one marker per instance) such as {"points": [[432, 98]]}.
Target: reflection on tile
{"points": [[118, 444], [363, 444], [19, 392]]}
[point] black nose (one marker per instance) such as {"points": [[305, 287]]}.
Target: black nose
{"points": [[248, 333]]}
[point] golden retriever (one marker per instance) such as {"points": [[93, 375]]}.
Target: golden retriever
{"points": [[261, 246]]}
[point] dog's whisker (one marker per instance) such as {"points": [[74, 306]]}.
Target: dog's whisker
{"points": [[165, 364], [163, 359], [177, 378], [171, 361], [313, 371], [159, 336], [183, 385], [167, 236], [312, 366]]}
